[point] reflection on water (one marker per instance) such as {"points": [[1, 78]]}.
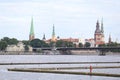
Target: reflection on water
{"points": [[45, 76], [8, 75]]}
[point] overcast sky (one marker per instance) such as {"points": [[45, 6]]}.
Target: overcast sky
{"points": [[72, 18]]}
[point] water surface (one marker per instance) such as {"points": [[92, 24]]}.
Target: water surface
{"points": [[9, 75]]}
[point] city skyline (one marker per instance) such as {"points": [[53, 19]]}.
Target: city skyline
{"points": [[72, 18]]}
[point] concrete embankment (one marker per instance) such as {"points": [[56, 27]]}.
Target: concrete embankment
{"points": [[59, 63], [84, 52], [52, 70], [49, 52], [68, 68]]}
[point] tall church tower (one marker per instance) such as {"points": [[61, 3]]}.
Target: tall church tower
{"points": [[44, 38], [102, 30], [99, 34], [31, 35], [53, 35]]}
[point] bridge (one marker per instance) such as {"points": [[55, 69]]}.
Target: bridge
{"points": [[102, 50]]}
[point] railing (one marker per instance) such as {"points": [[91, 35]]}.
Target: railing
{"points": [[101, 50], [72, 48]]}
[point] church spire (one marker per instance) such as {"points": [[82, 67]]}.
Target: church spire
{"points": [[102, 30], [44, 38], [31, 36], [97, 28], [53, 34], [109, 39]]}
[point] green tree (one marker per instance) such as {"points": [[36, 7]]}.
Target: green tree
{"points": [[70, 44], [6, 39], [61, 43], [51, 44], [10, 41], [87, 44], [26, 48], [102, 45], [113, 44], [80, 45], [36, 43], [26, 42], [13, 41], [3, 45]]}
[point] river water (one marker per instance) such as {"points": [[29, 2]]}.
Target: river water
{"points": [[10, 75]]}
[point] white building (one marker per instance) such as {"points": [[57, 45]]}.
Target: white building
{"points": [[19, 47], [81, 41]]}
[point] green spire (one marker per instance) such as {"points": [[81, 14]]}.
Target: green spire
{"points": [[32, 27], [53, 33]]}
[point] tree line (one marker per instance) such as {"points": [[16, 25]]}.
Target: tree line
{"points": [[112, 44], [59, 43], [7, 41], [37, 43]]}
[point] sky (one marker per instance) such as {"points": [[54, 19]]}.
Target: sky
{"points": [[71, 18]]}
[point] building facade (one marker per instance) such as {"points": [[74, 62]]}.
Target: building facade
{"points": [[18, 47]]}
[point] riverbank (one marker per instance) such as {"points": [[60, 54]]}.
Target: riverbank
{"points": [[72, 52]]}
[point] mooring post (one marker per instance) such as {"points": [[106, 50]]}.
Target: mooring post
{"points": [[90, 69]]}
